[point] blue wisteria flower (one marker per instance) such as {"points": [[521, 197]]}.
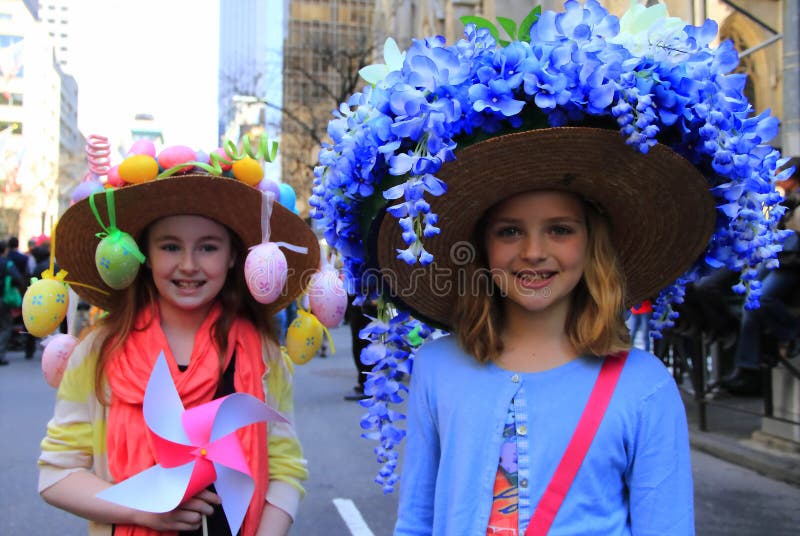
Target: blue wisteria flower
{"points": [[656, 77]]}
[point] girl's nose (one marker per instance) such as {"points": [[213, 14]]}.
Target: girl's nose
{"points": [[534, 248], [187, 263]]}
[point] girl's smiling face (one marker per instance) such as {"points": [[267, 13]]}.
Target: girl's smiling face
{"points": [[189, 257], [536, 245]]}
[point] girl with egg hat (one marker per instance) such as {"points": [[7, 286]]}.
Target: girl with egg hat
{"points": [[191, 298]]}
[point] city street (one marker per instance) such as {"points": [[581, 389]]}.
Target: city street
{"points": [[342, 498]]}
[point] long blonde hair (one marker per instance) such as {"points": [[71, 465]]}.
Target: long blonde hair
{"points": [[234, 297], [595, 323]]}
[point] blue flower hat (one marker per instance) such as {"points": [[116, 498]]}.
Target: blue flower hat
{"points": [[640, 115]]}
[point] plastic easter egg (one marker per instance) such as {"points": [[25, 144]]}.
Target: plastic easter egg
{"points": [[269, 185], [224, 156], [55, 356], [304, 337], [248, 170], [176, 155], [44, 306], [116, 260], [138, 168], [85, 189], [143, 147], [113, 179], [265, 272], [327, 297], [287, 197]]}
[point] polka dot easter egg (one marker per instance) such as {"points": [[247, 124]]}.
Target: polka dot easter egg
{"points": [[118, 259], [265, 272], [44, 306], [304, 337], [55, 356], [327, 297]]}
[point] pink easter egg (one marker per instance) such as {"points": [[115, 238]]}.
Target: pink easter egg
{"points": [[55, 356], [176, 155], [143, 147], [224, 156], [85, 189], [269, 185], [327, 297], [114, 180], [265, 272]]}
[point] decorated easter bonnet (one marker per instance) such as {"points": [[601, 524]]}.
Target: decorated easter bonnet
{"points": [[96, 238], [639, 116]]}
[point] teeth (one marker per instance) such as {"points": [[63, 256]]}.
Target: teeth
{"points": [[188, 284], [532, 277]]}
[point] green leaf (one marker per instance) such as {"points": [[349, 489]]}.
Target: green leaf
{"points": [[503, 43], [480, 22], [527, 22], [509, 26]]}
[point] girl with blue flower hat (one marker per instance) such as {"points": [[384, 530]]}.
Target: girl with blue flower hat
{"points": [[523, 194]]}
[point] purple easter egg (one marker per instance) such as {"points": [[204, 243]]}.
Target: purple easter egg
{"points": [[327, 297], [143, 147], [265, 272], [176, 155], [85, 189], [269, 185]]}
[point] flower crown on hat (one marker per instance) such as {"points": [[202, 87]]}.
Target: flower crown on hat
{"points": [[655, 76]]}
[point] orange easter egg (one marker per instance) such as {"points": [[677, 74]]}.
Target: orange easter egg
{"points": [[248, 170], [138, 168]]}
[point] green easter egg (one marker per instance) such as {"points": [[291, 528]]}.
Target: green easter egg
{"points": [[116, 260]]}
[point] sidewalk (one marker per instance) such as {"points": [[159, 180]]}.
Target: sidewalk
{"points": [[734, 434]]}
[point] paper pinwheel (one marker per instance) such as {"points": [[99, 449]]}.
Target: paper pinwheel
{"points": [[194, 448]]}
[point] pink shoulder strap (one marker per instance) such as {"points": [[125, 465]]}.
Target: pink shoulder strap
{"points": [[578, 446]]}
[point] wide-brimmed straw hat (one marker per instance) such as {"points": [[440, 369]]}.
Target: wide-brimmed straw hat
{"points": [[659, 207], [227, 201]]}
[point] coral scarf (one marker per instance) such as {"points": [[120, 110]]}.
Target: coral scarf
{"points": [[130, 448]]}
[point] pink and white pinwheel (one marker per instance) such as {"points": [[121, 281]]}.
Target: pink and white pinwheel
{"points": [[194, 448]]}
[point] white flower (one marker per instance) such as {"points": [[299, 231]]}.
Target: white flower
{"points": [[642, 28], [378, 71]]}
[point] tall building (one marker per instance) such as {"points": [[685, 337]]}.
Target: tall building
{"points": [[55, 16], [246, 51], [38, 120], [327, 42]]}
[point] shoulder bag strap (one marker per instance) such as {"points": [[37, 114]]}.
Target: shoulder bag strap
{"points": [[578, 446]]}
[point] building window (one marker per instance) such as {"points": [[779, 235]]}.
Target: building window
{"points": [[16, 128], [12, 99]]}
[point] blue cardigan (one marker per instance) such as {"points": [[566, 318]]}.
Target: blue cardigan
{"points": [[636, 478]]}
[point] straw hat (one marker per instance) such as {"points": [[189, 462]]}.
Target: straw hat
{"points": [[659, 207], [224, 200]]}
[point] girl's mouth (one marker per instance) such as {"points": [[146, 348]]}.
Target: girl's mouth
{"points": [[534, 279], [188, 284]]}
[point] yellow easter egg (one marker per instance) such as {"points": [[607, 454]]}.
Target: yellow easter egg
{"points": [[248, 170], [304, 337], [138, 168], [44, 306]]}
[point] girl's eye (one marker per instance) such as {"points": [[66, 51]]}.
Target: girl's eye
{"points": [[561, 230], [209, 248], [508, 231], [170, 247]]}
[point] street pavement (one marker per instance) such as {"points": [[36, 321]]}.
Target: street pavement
{"points": [[730, 500]]}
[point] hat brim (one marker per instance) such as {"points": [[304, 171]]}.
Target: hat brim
{"points": [[659, 206], [226, 201]]}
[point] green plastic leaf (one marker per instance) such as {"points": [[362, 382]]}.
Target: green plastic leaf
{"points": [[529, 20], [509, 26], [480, 22]]}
